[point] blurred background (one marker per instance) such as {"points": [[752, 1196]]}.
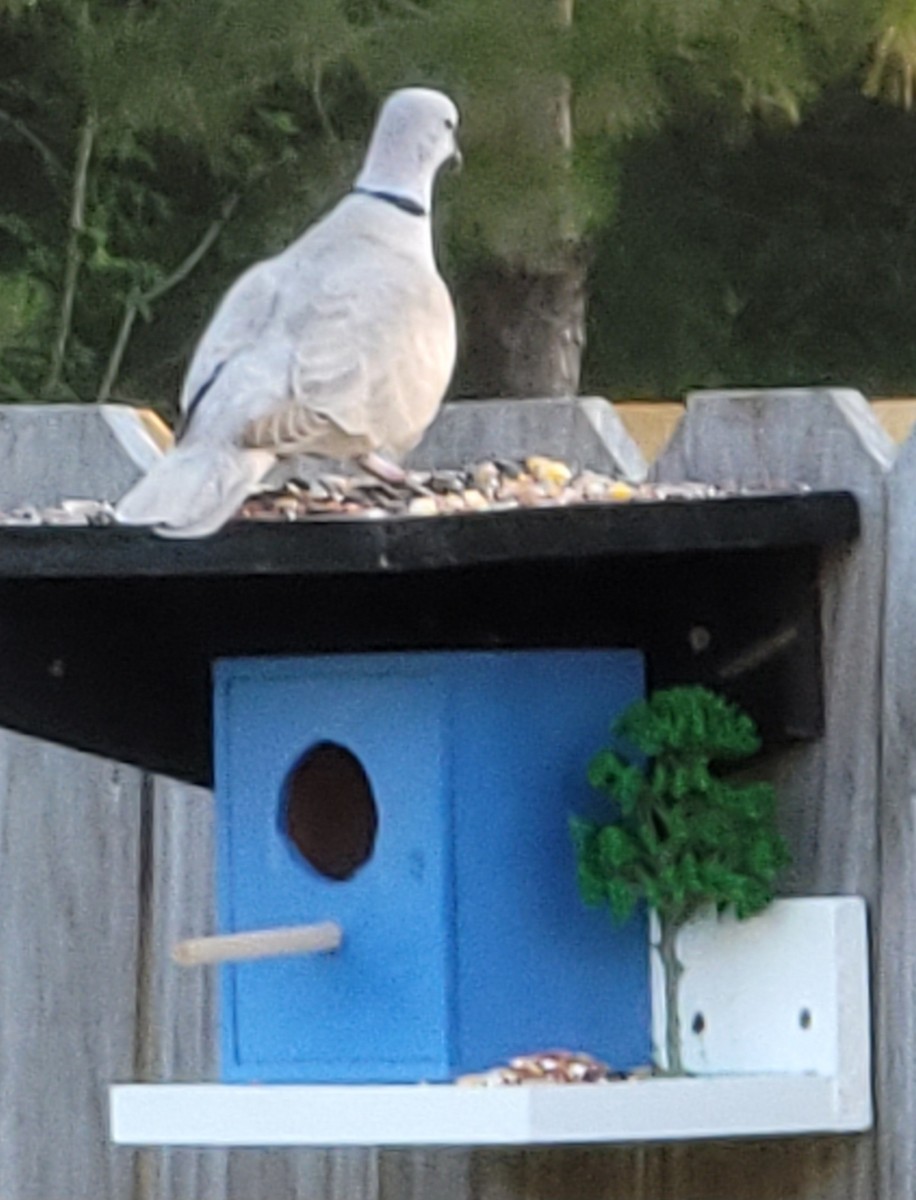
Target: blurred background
{"points": [[656, 195]]}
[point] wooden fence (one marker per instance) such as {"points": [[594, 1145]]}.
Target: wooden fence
{"points": [[103, 867]]}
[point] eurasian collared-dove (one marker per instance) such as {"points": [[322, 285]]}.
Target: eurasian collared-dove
{"points": [[342, 345]]}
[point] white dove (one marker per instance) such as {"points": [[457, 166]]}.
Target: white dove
{"points": [[342, 345]]}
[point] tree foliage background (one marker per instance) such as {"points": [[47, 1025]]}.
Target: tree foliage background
{"points": [[741, 211]]}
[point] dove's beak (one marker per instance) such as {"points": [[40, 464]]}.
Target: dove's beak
{"points": [[456, 162]]}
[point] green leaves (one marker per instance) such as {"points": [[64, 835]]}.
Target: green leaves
{"points": [[190, 103], [692, 720], [625, 781], [685, 837], [603, 855], [616, 850], [199, 99]]}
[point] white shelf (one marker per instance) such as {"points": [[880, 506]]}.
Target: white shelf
{"points": [[445, 1115], [782, 1049]]}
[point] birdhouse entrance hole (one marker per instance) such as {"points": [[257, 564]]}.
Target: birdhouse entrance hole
{"points": [[329, 811]]}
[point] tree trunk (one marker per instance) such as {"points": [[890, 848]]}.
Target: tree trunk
{"points": [[672, 969], [524, 332]]}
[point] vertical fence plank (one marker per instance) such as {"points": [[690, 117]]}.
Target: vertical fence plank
{"points": [[69, 875], [828, 789], [427, 1175], [68, 953], [176, 1008], [896, 1032], [824, 439]]}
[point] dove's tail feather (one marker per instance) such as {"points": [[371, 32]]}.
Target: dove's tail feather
{"points": [[194, 489]]}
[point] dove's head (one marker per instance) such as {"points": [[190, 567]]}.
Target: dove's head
{"points": [[415, 135]]}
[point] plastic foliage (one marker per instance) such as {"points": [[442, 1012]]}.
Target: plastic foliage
{"points": [[683, 838]]}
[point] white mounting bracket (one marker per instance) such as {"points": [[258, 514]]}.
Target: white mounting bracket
{"points": [[782, 992]]}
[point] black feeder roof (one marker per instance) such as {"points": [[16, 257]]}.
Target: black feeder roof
{"points": [[107, 635]]}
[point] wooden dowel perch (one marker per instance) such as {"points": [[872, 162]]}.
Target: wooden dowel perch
{"points": [[258, 943]]}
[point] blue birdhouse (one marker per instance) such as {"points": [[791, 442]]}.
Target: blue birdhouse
{"points": [[420, 801]]}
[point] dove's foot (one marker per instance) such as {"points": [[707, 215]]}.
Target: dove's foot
{"points": [[381, 468]]}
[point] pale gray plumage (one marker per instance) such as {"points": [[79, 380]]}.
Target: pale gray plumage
{"points": [[342, 345]]}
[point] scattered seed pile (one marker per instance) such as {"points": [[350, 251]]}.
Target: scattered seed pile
{"points": [[494, 485], [548, 1067], [68, 512]]}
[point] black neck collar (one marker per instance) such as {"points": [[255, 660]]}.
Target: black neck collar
{"points": [[404, 203]]}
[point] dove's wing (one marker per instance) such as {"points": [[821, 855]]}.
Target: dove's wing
{"points": [[371, 342], [238, 325]]}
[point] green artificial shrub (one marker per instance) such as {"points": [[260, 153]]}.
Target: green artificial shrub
{"points": [[683, 837]]}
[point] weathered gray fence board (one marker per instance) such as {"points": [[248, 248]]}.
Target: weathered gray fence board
{"points": [[896, 998], [70, 861], [428, 1175], [826, 440], [70, 451], [584, 430], [179, 1006], [69, 924], [828, 789], [176, 1011], [302, 1175], [770, 1170]]}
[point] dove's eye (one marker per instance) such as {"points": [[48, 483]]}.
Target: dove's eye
{"points": [[449, 123]]}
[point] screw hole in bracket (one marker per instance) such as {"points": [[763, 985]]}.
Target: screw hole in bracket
{"points": [[805, 1019], [699, 639], [698, 1024]]}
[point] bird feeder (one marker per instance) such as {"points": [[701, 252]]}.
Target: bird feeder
{"points": [[396, 717]]}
